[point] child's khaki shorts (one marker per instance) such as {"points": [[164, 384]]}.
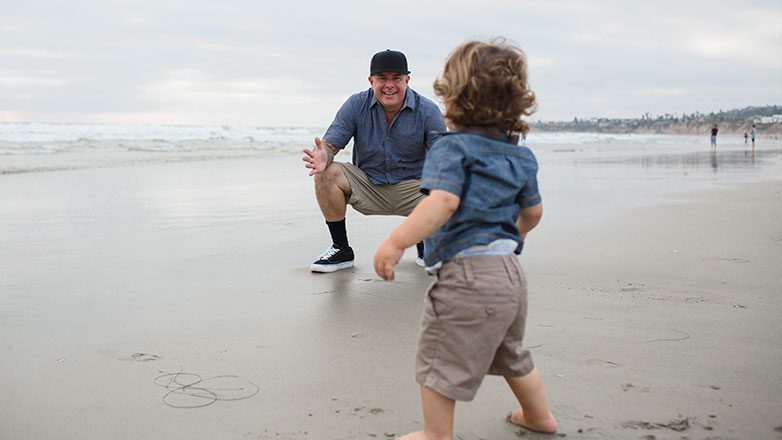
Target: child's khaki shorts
{"points": [[383, 199], [473, 325]]}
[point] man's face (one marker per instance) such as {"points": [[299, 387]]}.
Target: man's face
{"points": [[390, 89]]}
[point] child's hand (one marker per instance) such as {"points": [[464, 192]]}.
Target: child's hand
{"points": [[386, 257]]}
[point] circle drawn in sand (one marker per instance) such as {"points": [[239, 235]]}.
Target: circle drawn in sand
{"points": [[190, 390]]}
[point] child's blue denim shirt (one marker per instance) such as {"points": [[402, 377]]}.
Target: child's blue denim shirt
{"points": [[494, 178]]}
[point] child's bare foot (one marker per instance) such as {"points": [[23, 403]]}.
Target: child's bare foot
{"points": [[418, 435], [547, 426]]}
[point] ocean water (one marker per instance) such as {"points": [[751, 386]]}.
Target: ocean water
{"points": [[37, 138], [40, 138], [578, 162]]}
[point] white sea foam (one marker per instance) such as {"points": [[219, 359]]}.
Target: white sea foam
{"points": [[41, 138], [38, 138], [26, 147], [41, 132]]}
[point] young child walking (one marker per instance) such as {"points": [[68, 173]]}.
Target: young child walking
{"points": [[482, 199]]}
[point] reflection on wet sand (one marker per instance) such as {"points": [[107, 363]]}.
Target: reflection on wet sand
{"points": [[742, 160]]}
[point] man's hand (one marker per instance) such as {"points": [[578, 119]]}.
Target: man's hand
{"points": [[319, 159], [386, 257]]}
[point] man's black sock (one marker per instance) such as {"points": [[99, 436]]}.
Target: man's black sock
{"points": [[339, 234]]}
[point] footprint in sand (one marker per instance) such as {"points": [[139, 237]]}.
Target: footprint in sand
{"points": [[631, 387], [732, 260], [675, 425], [601, 362], [140, 357], [135, 357]]}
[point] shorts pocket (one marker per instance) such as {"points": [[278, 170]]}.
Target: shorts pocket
{"points": [[436, 305]]}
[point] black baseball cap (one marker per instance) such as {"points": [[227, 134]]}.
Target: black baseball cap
{"points": [[388, 61]]}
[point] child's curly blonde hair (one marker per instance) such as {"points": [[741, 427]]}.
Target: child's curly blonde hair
{"points": [[485, 85]]}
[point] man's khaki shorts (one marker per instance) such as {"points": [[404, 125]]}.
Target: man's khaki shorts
{"points": [[383, 199], [473, 325]]}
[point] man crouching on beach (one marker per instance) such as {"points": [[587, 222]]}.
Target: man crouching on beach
{"points": [[392, 127]]}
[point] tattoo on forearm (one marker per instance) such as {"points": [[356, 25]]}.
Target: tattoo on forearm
{"points": [[331, 151]]}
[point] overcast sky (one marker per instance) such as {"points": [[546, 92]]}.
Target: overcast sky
{"points": [[292, 63]]}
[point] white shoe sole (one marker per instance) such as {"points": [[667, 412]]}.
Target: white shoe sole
{"points": [[420, 262], [326, 268]]}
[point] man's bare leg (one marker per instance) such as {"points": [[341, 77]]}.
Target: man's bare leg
{"points": [[534, 413], [331, 187], [438, 417], [331, 190]]}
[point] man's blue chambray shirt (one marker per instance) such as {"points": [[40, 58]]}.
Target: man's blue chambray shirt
{"points": [[387, 154], [493, 178]]}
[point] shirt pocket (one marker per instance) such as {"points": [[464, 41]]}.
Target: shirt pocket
{"points": [[410, 147]]}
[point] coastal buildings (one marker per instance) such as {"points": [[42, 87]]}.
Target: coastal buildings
{"points": [[768, 121]]}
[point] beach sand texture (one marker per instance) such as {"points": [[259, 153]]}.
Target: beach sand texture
{"points": [[651, 317]]}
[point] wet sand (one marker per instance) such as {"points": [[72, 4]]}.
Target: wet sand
{"points": [[659, 320]]}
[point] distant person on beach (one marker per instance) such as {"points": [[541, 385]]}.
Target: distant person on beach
{"points": [[745, 138], [714, 136], [392, 127], [482, 200], [752, 135]]}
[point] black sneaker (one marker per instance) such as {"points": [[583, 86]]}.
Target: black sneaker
{"points": [[333, 260], [420, 260]]}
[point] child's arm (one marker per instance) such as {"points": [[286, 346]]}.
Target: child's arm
{"points": [[529, 217], [431, 213]]}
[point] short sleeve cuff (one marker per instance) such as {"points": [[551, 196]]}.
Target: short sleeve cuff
{"points": [[530, 201], [452, 187]]}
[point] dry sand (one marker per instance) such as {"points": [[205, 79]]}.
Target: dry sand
{"points": [[659, 322]]}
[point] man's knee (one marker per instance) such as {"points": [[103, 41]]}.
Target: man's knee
{"points": [[328, 177], [332, 177]]}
